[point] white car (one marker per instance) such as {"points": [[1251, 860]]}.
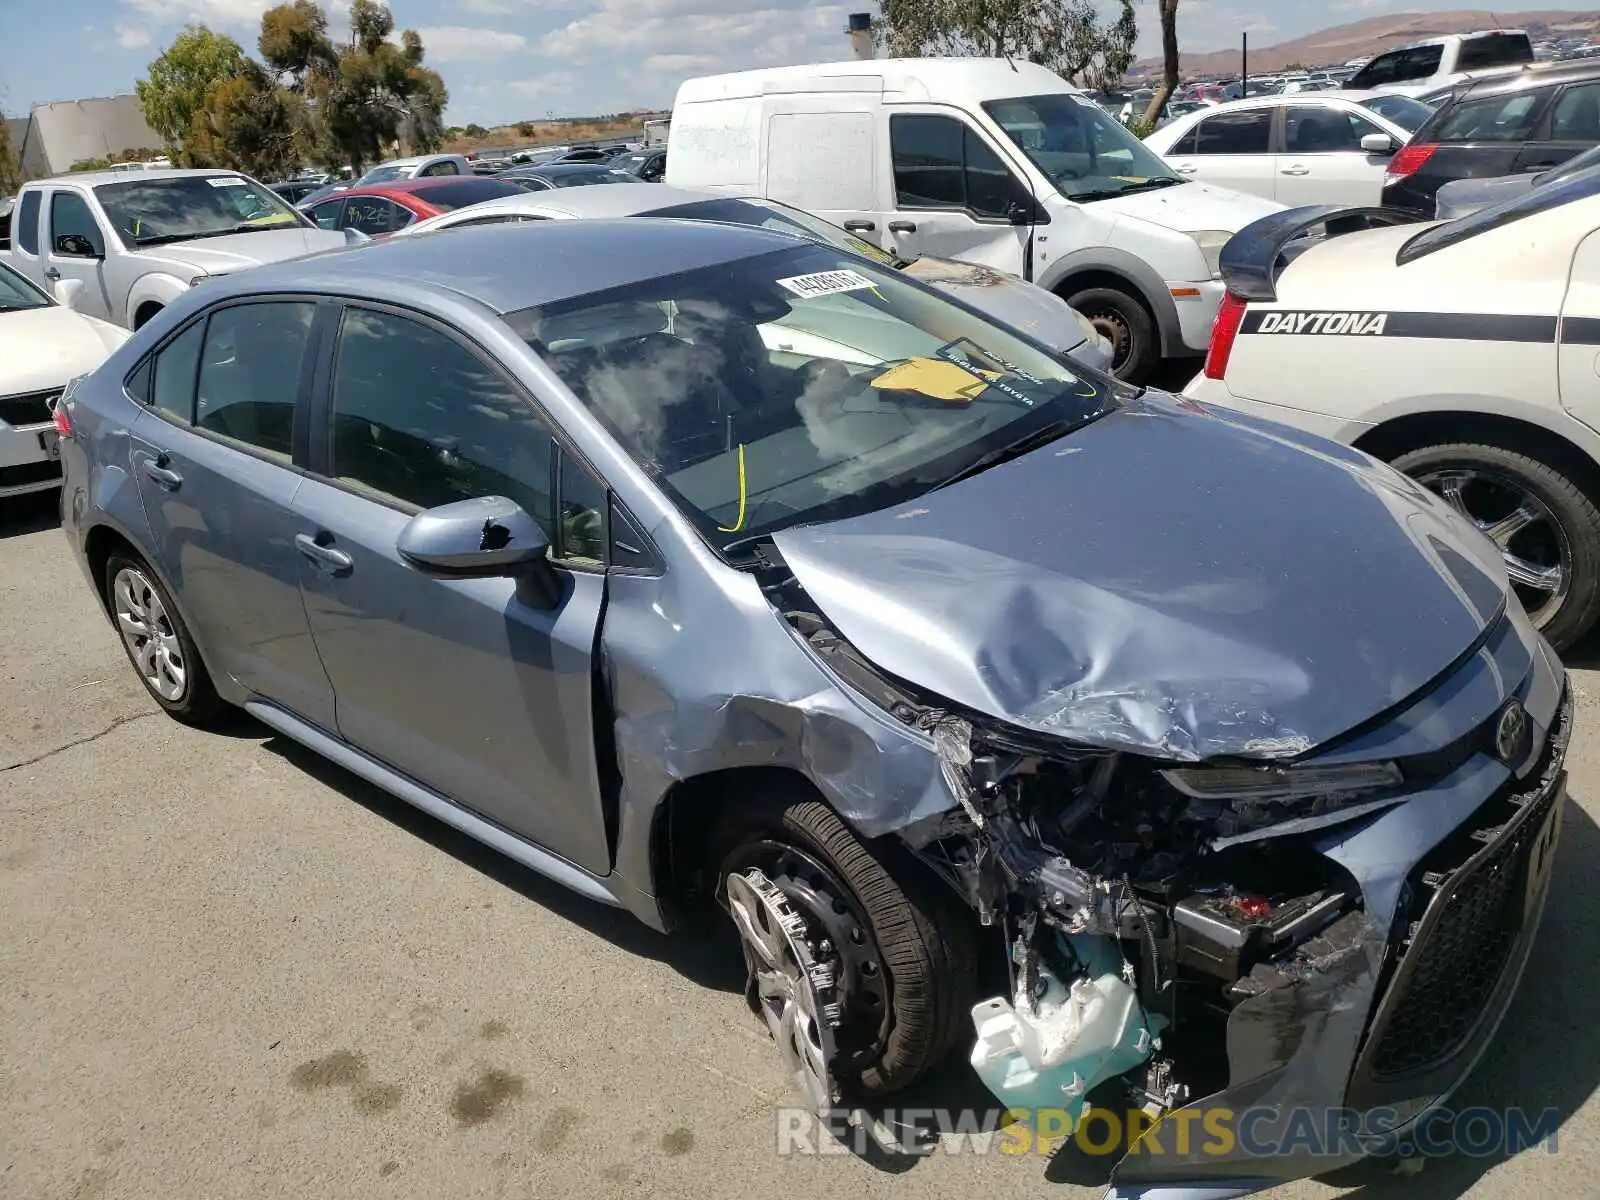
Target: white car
{"points": [[1022, 305], [43, 345], [1463, 352], [1303, 148], [1440, 62], [422, 166]]}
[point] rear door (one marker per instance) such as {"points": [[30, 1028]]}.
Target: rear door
{"points": [[214, 454], [1570, 125], [1322, 161], [26, 236], [1478, 137], [952, 193], [1231, 149], [463, 685]]}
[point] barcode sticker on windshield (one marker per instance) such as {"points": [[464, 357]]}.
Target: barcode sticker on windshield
{"points": [[224, 181], [825, 283]]}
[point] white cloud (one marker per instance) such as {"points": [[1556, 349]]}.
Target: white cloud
{"points": [[131, 37], [207, 12], [461, 43]]}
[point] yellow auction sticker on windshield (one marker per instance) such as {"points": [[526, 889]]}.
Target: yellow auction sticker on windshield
{"points": [[936, 378], [825, 283]]}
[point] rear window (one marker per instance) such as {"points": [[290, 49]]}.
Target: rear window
{"points": [[1405, 112], [1582, 186], [1495, 50], [1399, 66], [1507, 118], [459, 193]]}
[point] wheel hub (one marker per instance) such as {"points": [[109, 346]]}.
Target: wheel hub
{"points": [[790, 985], [148, 634]]}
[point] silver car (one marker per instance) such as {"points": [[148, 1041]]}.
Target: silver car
{"points": [[1119, 743]]}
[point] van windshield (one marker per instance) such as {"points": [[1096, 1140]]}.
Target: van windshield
{"points": [[1087, 154]]}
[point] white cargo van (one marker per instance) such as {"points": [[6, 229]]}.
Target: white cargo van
{"points": [[980, 159]]}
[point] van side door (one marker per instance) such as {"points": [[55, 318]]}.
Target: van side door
{"points": [[822, 156], [953, 194]]}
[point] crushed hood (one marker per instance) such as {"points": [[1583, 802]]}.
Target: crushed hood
{"points": [[1165, 580], [235, 251]]}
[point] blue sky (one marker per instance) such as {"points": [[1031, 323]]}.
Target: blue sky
{"points": [[517, 59]]}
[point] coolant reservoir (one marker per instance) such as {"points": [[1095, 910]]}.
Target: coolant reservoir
{"points": [[1049, 1051]]}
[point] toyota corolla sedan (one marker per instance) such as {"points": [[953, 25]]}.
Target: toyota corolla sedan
{"points": [[1113, 741]]}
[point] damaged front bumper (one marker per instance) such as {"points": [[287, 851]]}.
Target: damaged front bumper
{"points": [[1367, 986]]}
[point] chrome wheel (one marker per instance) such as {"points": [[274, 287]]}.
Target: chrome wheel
{"points": [[1536, 549], [147, 632], [788, 986]]}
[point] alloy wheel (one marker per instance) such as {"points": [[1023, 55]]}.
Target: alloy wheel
{"points": [[1536, 549], [148, 634]]}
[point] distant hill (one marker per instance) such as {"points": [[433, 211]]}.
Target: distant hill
{"points": [[1362, 39]]}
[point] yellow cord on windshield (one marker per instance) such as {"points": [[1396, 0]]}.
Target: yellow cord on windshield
{"points": [[739, 524]]}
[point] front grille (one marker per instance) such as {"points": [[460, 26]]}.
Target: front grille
{"points": [[1473, 893], [32, 409]]}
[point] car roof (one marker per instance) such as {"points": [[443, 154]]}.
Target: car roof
{"points": [[1513, 79], [507, 267], [937, 80], [598, 203], [94, 178], [557, 170]]}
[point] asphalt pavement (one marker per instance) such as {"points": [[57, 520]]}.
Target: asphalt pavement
{"points": [[229, 969]]}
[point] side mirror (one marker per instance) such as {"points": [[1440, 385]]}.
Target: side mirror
{"points": [[68, 292], [1378, 143], [476, 539], [1020, 213], [75, 245]]}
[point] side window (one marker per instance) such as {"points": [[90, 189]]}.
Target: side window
{"points": [[1313, 129], [1247, 132], [326, 214], [1497, 119], [1189, 143], [372, 215], [250, 374], [441, 168], [928, 161], [172, 390], [400, 217], [73, 231], [991, 190], [583, 516], [420, 420], [629, 547], [25, 228], [1576, 117]]}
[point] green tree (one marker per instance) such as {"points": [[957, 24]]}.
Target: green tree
{"points": [[249, 124], [1071, 37], [294, 43], [182, 76], [10, 168]]}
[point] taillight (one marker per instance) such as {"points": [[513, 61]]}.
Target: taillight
{"points": [[60, 417], [1223, 332], [1408, 160]]}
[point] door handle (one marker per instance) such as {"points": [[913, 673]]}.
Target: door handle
{"points": [[1295, 171], [857, 225], [325, 557], [1186, 169], [162, 475], [902, 226], [52, 274]]}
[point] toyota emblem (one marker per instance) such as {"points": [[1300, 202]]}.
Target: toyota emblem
{"points": [[1508, 733]]}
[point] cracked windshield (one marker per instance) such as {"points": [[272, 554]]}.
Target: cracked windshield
{"points": [[1086, 154], [802, 386], [146, 212]]}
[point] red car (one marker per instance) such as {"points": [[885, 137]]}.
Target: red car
{"points": [[381, 208]]}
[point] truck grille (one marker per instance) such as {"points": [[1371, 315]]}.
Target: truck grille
{"points": [[31, 409], [1472, 893]]}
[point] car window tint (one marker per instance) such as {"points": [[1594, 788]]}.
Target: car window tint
{"points": [[629, 547], [172, 391], [1236, 133], [25, 227], [70, 217], [928, 155], [327, 214], [1576, 116], [991, 190], [419, 419], [250, 373], [1189, 143], [441, 168], [1311, 129], [1494, 50], [370, 215], [1497, 119]]}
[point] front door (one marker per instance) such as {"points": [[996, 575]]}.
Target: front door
{"points": [[75, 248], [213, 454], [953, 195], [459, 684]]}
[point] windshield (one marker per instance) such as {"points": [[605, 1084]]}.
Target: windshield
{"points": [[1405, 112], [1084, 152], [17, 293], [147, 211], [800, 385], [770, 214], [386, 174]]}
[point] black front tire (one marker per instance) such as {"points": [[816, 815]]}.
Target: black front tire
{"points": [[1123, 318], [918, 929]]}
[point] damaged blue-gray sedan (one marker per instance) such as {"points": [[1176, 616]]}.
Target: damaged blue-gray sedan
{"points": [[1125, 746]]}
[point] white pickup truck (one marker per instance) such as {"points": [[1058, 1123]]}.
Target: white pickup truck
{"points": [[135, 241]]}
